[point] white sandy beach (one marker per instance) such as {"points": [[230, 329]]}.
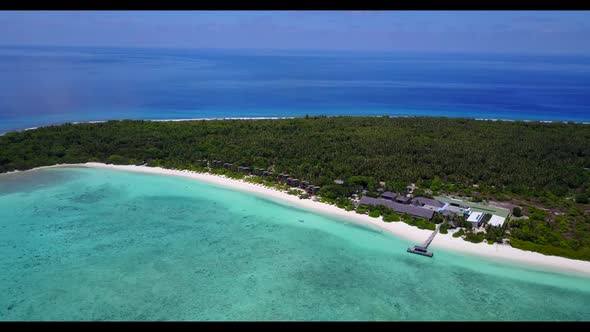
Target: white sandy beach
{"points": [[446, 241]]}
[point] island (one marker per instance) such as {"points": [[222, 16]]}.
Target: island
{"points": [[516, 183]]}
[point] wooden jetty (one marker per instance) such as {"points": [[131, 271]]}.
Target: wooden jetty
{"points": [[423, 249]]}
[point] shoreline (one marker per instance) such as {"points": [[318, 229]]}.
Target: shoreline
{"points": [[157, 120], [496, 252], [291, 117]]}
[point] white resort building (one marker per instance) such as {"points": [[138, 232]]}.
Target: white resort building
{"points": [[475, 218], [496, 221]]}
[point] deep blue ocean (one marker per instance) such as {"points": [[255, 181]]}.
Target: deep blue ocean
{"points": [[42, 85]]}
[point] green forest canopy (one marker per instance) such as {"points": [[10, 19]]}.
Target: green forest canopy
{"points": [[527, 158]]}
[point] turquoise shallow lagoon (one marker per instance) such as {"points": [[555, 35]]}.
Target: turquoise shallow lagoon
{"points": [[97, 244]]}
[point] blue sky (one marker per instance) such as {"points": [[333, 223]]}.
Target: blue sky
{"points": [[447, 31]]}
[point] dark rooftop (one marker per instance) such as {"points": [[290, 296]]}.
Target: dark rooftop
{"points": [[428, 201], [448, 213], [397, 207], [388, 195], [402, 198]]}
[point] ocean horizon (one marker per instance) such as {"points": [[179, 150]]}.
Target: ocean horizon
{"points": [[42, 86]]}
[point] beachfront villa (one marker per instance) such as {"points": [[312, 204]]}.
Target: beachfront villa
{"points": [[312, 190], [395, 197], [496, 221], [388, 195], [293, 182], [475, 218], [283, 177], [428, 203], [416, 211], [258, 171], [417, 206], [457, 209], [402, 199], [244, 169]]}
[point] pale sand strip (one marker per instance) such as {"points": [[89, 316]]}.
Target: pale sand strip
{"points": [[446, 241]]}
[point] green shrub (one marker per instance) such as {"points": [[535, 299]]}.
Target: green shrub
{"points": [[421, 223], [502, 197], [219, 171], [474, 237], [268, 183], [117, 160], [281, 186], [582, 198], [459, 233], [391, 217], [327, 200], [406, 217], [254, 179], [343, 202], [517, 212], [198, 169], [334, 191], [422, 193], [362, 209], [234, 175], [438, 218], [374, 214]]}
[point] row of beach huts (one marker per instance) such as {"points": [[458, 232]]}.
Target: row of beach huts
{"points": [[282, 177], [402, 203]]}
